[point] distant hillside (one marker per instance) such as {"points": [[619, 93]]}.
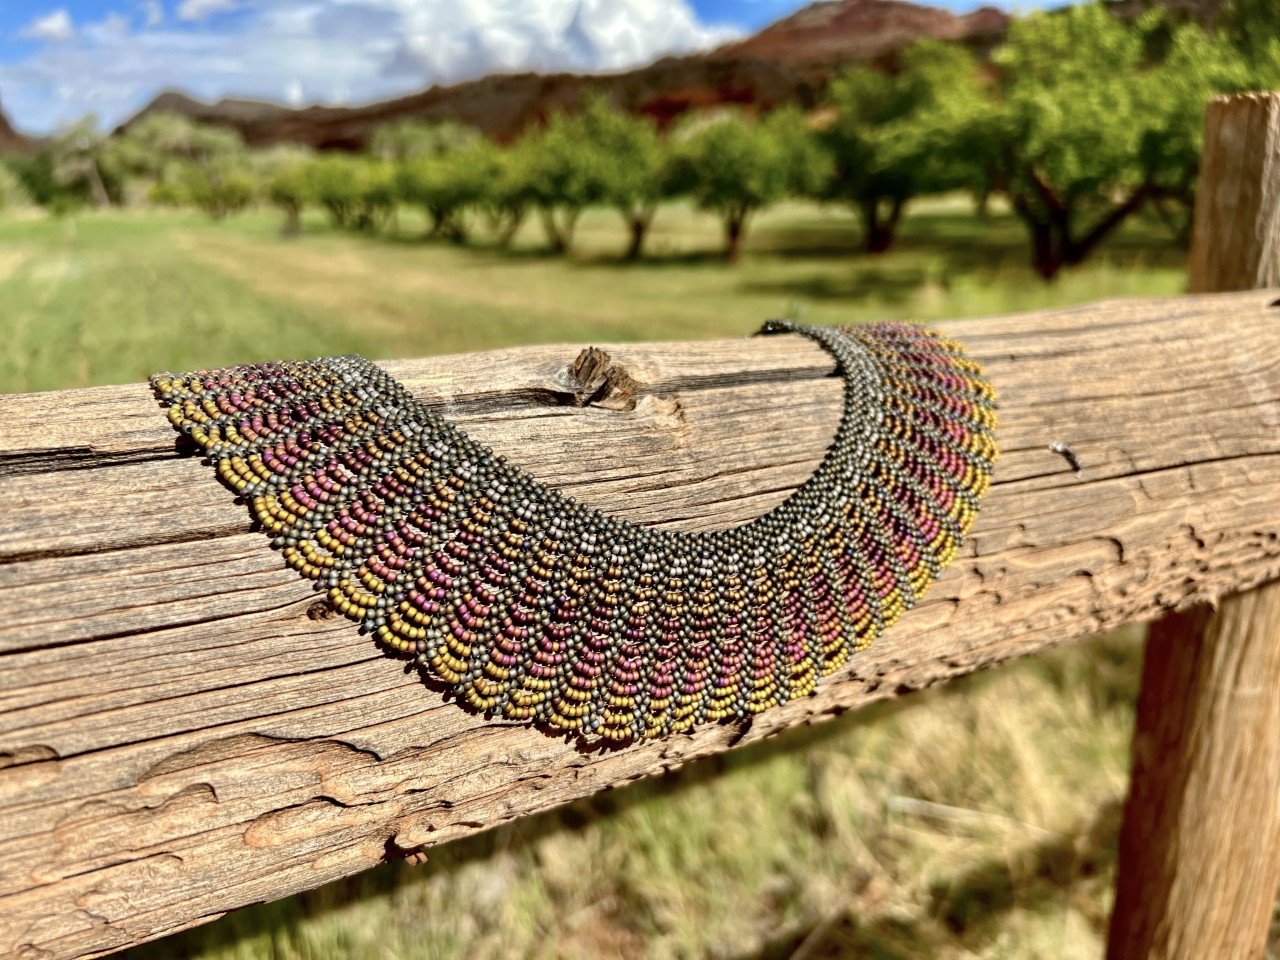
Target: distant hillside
{"points": [[11, 141], [788, 62], [503, 105], [839, 31]]}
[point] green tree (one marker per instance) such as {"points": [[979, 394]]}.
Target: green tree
{"points": [[415, 139], [629, 162], [735, 167], [77, 160], [35, 173], [13, 192], [335, 185], [447, 186], [898, 136], [288, 183], [563, 176], [358, 192], [508, 193], [219, 190], [1193, 68], [1253, 28], [1096, 119], [156, 148], [1067, 136], [377, 193]]}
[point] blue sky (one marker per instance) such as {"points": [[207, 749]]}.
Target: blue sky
{"points": [[61, 59]]}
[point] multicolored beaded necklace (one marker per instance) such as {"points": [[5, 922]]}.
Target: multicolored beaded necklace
{"points": [[535, 607]]}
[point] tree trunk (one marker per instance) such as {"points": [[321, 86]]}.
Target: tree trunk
{"points": [[735, 222], [567, 228], [880, 233], [457, 229], [638, 223], [982, 205], [1076, 250], [99, 189], [514, 219], [292, 222], [1046, 254], [556, 238]]}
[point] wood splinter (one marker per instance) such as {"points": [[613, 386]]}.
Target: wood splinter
{"points": [[595, 380]]}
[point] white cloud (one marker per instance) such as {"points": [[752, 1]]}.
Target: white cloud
{"points": [[54, 26], [112, 27], [354, 50], [445, 39], [153, 12], [204, 9]]}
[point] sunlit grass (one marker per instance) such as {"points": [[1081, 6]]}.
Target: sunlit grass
{"points": [[113, 297]]}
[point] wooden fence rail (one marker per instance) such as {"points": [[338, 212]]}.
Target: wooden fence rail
{"points": [[179, 739]]}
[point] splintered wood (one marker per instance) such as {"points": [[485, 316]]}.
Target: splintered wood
{"points": [[184, 731]]}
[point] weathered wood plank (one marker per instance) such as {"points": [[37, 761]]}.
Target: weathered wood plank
{"points": [[177, 747], [1200, 845]]}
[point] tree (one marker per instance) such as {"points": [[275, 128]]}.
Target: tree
{"points": [[447, 186], [508, 194], [334, 184], [289, 184], [218, 189], [1194, 67], [13, 192], [1065, 142], [1095, 121], [157, 148], [1253, 28], [629, 160], [415, 139], [564, 177], [377, 193], [735, 166], [895, 136], [77, 158]]}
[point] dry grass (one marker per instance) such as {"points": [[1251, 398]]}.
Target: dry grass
{"points": [[975, 820]]}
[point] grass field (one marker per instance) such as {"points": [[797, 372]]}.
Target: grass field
{"points": [[978, 820], [114, 297]]}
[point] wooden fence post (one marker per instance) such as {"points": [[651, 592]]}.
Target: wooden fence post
{"points": [[1200, 847]]}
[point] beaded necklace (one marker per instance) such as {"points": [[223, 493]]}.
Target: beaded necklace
{"points": [[534, 607]]}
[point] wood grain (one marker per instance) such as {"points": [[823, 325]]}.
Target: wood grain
{"points": [[1199, 850], [1200, 845], [181, 736], [1236, 230]]}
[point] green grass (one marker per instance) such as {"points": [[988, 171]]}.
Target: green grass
{"points": [[976, 820], [112, 297]]}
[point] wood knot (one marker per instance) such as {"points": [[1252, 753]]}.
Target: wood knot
{"points": [[593, 379], [320, 610]]}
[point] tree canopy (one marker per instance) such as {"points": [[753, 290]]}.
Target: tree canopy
{"points": [[735, 165], [894, 137], [1090, 124]]}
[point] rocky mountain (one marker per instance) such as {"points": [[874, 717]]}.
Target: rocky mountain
{"points": [[504, 104], [11, 141], [838, 31], [788, 62]]}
